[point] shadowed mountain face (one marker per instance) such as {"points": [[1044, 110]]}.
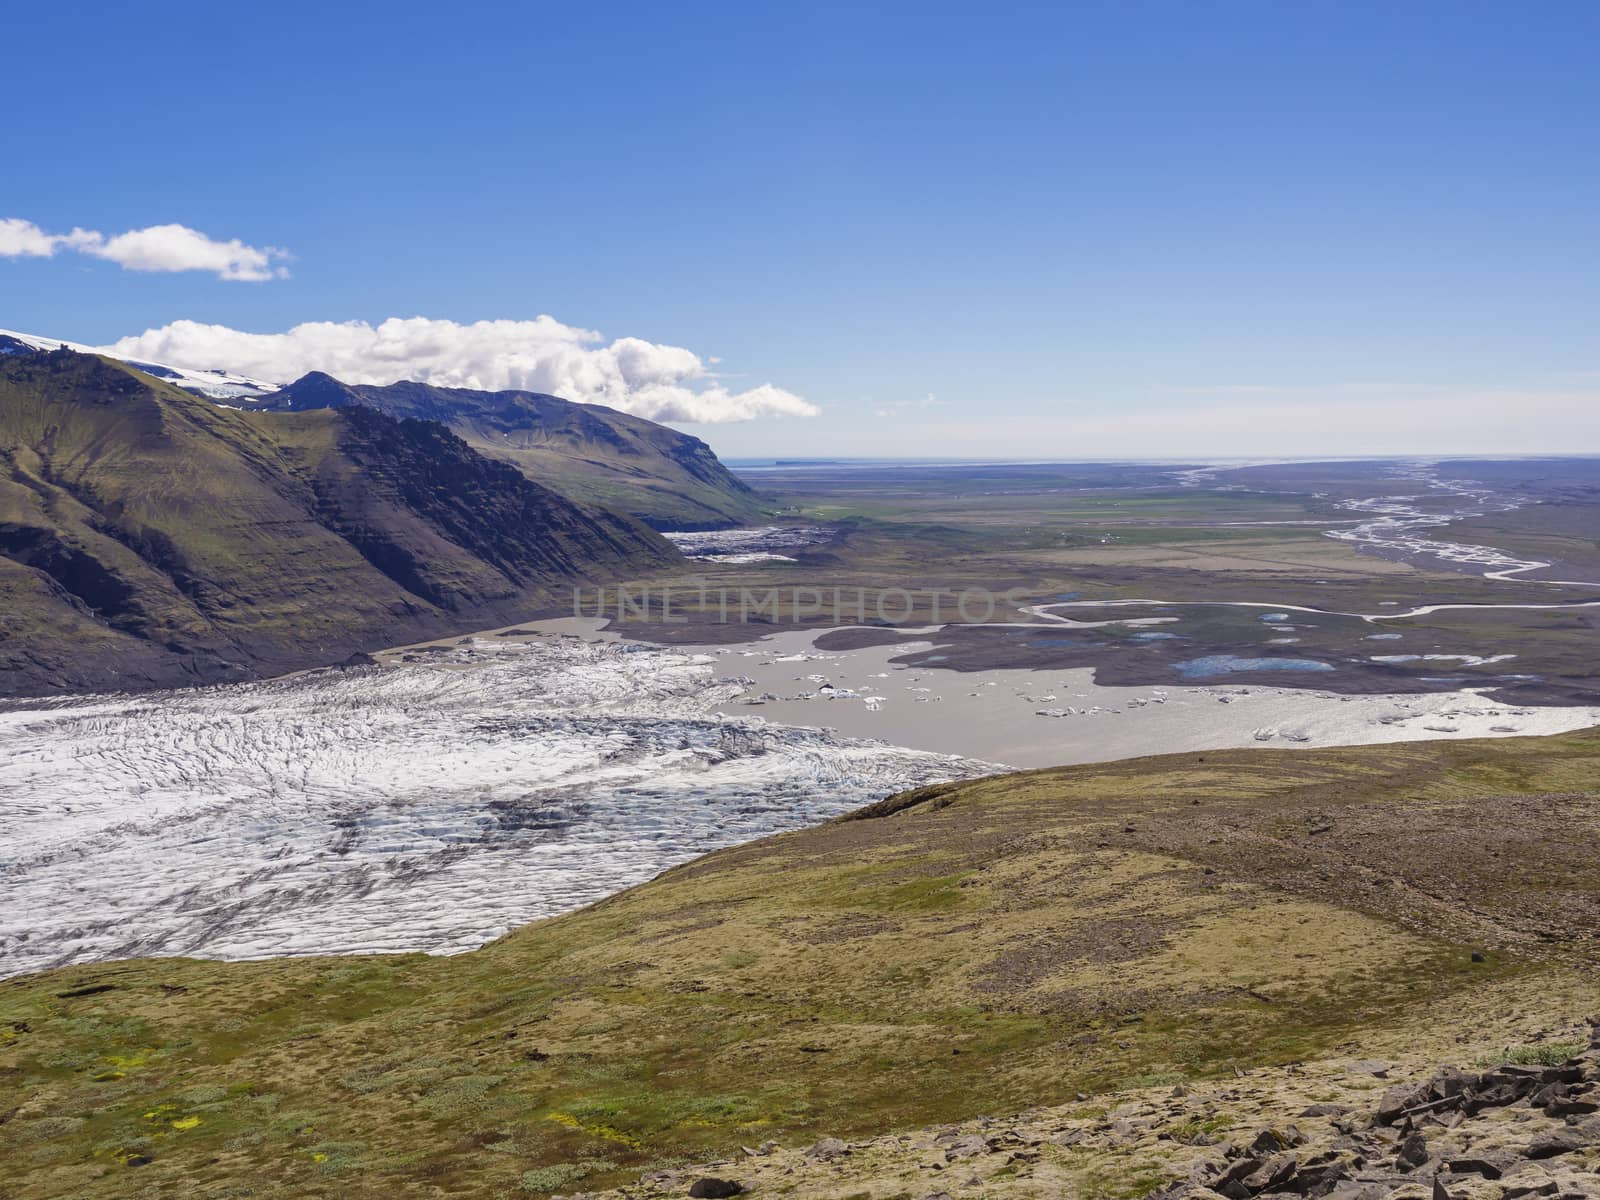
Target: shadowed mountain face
{"points": [[587, 452], [149, 537]]}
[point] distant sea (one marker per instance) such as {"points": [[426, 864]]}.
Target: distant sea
{"points": [[801, 464]]}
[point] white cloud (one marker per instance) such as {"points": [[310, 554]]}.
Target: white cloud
{"points": [[156, 248], [663, 383], [24, 239]]}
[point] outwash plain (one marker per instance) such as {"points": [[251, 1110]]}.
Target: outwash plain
{"points": [[1199, 973]]}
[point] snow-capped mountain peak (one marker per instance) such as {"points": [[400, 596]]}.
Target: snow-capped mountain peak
{"points": [[215, 385]]}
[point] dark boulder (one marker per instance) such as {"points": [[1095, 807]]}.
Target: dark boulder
{"points": [[1413, 1152], [1321, 1179], [1488, 1168], [1552, 1145], [1570, 1106], [1275, 1176], [1448, 1083], [1397, 1100], [1525, 1191], [712, 1188], [828, 1149], [1270, 1141], [1325, 1110]]}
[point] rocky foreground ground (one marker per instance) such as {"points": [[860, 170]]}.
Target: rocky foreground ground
{"points": [[1348, 1130]]}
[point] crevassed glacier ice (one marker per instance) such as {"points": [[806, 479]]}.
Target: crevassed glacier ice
{"points": [[430, 805]]}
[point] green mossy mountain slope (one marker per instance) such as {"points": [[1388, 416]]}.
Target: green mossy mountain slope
{"points": [[593, 454], [967, 949], [149, 537]]}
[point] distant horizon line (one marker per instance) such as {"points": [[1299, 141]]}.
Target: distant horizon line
{"points": [[756, 462]]}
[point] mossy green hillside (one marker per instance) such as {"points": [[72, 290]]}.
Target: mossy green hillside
{"points": [[589, 453], [967, 949], [149, 536]]}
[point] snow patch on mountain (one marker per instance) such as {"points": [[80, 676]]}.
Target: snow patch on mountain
{"points": [[214, 385]]}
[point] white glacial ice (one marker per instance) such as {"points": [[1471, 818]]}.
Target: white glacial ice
{"points": [[428, 805], [747, 545]]}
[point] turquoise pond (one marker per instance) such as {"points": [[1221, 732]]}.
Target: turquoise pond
{"points": [[1228, 664]]}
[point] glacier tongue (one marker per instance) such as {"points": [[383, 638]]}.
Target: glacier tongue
{"points": [[430, 805]]}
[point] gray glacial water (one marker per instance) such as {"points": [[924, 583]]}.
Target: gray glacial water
{"points": [[1402, 524]]}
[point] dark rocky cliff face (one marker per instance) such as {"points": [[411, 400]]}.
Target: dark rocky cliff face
{"points": [[149, 537]]}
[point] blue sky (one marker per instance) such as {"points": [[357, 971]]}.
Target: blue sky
{"points": [[1002, 230]]}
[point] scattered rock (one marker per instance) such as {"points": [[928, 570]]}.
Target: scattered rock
{"points": [[1379, 1070], [1274, 1176], [712, 1188], [1413, 1152], [1400, 1099], [828, 1149], [1488, 1168], [1552, 1145], [1511, 1132], [1269, 1141], [970, 1146], [1570, 1106], [1448, 1082], [1347, 1166]]}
